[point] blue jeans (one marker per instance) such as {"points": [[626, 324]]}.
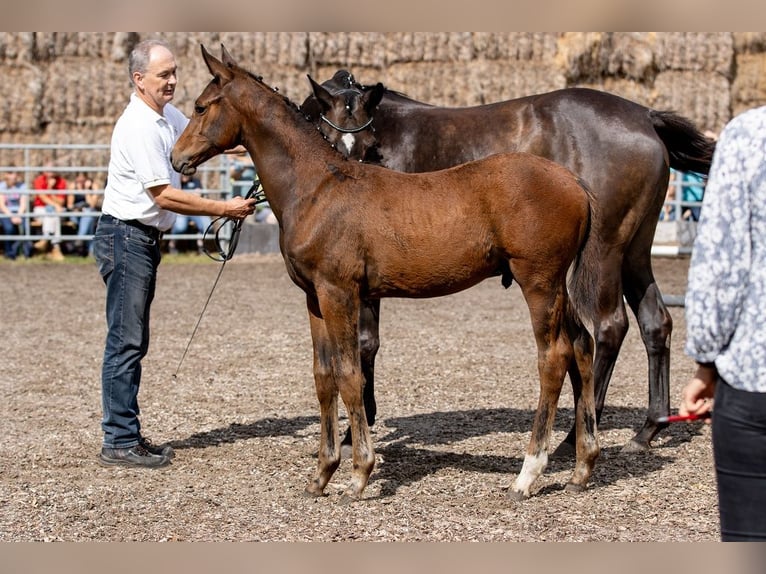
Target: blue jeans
{"points": [[739, 449], [127, 257], [12, 247]]}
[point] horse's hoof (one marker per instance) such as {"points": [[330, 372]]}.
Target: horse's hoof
{"points": [[312, 491], [574, 488], [516, 495], [564, 451], [633, 447], [347, 499]]}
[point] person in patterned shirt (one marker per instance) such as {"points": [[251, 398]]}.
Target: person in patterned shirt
{"points": [[725, 302]]}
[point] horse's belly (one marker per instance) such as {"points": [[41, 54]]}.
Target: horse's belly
{"points": [[422, 282]]}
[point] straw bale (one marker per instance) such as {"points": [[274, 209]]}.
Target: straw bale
{"points": [[588, 57], [538, 47], [343, 49], [472, 83], [749, 87], [749, 42], [20, 109], [16, 46], [53, 45], [696, 51], [84, 92], [703, 97]]}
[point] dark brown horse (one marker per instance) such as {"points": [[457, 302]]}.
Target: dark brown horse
{"points": [[622, 149], [351, 233]]}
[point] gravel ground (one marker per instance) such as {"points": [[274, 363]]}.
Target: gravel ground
{"points": [[457, 389]]}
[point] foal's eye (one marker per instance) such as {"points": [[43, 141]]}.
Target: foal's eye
{"points": [[199, 110]]}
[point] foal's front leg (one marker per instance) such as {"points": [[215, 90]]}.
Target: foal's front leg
{"points": [[369, 343]]}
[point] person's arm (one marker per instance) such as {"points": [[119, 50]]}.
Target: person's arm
{"points": [[180, 201], [721, 258]]}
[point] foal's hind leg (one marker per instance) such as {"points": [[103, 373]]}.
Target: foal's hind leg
{"points": [[610, 327], [581, 376], [369, 343], [554, 353]]}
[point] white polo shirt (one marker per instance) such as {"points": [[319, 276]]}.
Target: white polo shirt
{"points": [[140, 158]]}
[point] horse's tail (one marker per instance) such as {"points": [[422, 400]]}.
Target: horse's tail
{"points": [[688, 148], [582, 275]]}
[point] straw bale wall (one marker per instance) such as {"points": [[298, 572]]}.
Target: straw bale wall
{"points": [[70, 87]]}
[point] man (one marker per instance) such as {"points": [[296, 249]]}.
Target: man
{"points": [[141, 197]]}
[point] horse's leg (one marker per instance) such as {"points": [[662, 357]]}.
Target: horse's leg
{"points": [[327, 393], [656, 325], [369, 343], [610, 327], [554, 353], [581, 376], [340, 310]]}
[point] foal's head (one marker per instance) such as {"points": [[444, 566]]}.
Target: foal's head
{"points": [[215, 125], [346, 117]]}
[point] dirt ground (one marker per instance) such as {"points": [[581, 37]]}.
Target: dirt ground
{"points": [[457, 388]]}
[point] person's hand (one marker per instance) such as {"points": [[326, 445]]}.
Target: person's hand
{"points": [[697, 395], [238, 207]]}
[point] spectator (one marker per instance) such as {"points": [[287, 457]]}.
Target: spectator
{"points": [[202, 222], [14, 204], [87, 204], [141, 198], [49, 206], [725, 298], [692, 191]]}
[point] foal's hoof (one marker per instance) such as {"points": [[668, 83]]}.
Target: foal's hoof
{"points": [[574, 488], [633, 447], [516, 495], [312, 491], [347, 499]]}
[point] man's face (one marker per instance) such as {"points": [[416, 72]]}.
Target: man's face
{"points": [[157, 86]]}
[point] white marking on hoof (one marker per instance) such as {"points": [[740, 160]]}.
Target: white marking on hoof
{"points": [[532, 468]]}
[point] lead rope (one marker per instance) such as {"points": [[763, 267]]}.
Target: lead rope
{"points": [[223, 256]]}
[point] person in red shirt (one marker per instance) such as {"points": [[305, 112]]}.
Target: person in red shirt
{"points": [[49, 205]]}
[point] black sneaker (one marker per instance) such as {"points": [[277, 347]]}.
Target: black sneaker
{"points": [[132, 456], [161, 449]]}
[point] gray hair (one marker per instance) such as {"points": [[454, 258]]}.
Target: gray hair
{"points": [[140, 55]]}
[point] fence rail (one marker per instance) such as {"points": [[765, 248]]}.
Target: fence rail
{"points": [[215, 175]]}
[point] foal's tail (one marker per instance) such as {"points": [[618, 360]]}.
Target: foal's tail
{"points": [[688, 148], [582, 275]]}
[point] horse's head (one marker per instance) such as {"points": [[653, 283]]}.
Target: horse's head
{"points": [[214, 125], [346, 115]]}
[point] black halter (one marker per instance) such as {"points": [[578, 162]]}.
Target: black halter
{"points": [[345, 130]]}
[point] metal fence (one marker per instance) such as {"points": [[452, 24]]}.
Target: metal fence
{"points": [[216, 175], [675, 233]]}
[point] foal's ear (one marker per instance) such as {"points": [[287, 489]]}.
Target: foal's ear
{"points": [[226, 57], [321, 94], [216, 67]]}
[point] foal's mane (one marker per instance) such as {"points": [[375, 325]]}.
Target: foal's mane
{"points": [[292, 106]]}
